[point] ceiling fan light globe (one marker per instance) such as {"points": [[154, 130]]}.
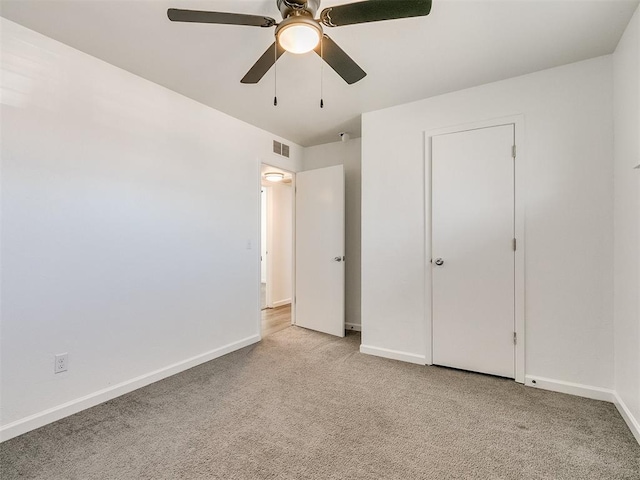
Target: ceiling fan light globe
{"points": [[299, 37]]}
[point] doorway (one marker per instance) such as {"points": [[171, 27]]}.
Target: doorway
{"points": [[276, 248], [476, 257], [263, 247]]}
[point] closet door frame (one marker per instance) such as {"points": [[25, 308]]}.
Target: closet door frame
{"points": [[520, 191]]}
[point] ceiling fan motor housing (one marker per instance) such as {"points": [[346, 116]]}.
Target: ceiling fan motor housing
{"points": [[290, 8]]}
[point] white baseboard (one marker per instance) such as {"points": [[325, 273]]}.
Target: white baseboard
{"points": [[632, 422], [281, 303], [393, 354], [45, 417], [587, 391], [356, 327]]}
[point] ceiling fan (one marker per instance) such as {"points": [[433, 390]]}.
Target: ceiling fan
{"points": [[300, 32]]}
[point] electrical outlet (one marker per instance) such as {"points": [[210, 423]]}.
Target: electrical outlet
{"points": [[61, 362]]}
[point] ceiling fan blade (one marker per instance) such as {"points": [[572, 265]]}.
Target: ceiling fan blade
{"points": [[199, 16], [264, 63], [373, 11], [342, 63]]}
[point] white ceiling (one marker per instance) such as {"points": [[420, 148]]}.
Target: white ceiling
{"points": [[459, 45]]}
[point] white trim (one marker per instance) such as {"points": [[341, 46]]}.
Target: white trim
{"points": [[427, 242], [50, 415], [259, 252], [294, 191], [356, 327], [269, 242], [393, 354], [632, 422], [281, 303], [519, 231], [578, 389], [520, 189]]}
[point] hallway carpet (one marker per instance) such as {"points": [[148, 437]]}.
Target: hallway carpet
{"points": [[304, 405]]}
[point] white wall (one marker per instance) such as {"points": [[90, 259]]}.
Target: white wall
{"points": [[130, 233], [626, 74], [280, 228], [347, 154], [569, 204]]}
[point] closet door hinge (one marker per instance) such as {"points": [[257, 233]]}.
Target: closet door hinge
{"points": [[513, 151], [515, 244], [515, 338]]}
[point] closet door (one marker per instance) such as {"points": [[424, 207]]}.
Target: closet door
{"points": [[473, 256]]}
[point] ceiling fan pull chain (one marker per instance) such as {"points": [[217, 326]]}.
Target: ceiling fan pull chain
{"points": [[275, 75], [322, 72]]}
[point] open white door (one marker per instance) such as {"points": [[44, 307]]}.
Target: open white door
{"points": [[319, 303]]}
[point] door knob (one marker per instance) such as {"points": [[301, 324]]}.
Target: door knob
{"points": [[338, 259], [439, 261]]}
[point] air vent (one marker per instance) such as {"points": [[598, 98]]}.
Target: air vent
{"points": [[280, 149]]}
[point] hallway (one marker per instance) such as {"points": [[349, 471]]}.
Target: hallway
{"points": [[275, 319]]}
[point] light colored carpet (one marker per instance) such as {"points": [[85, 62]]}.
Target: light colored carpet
{"points": [[303, 405]]}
